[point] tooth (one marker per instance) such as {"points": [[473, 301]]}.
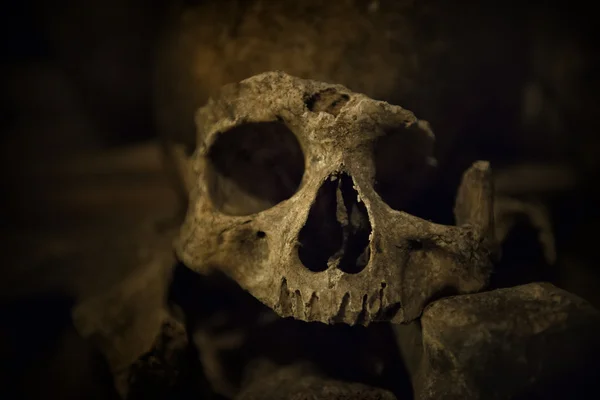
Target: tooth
{"points": [[341, 314], [364, 317], [314, 308], [285, 304], [299, 306]]}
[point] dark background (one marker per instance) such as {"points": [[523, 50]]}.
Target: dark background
{"points": [[90, 88]]}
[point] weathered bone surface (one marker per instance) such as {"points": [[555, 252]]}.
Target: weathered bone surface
{"points": [[299, 193], [530, 341]]}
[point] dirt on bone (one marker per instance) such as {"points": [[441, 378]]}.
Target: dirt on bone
{"points": [[336, 239]]}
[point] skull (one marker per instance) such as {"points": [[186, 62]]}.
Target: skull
{"points": [[298, 195]]}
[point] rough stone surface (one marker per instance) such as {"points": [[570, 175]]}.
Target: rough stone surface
{"points": [[531, 341], [303, 382], [169, 370], [300, 194], [124, 322]]}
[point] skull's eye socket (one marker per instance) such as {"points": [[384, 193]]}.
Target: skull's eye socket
{"points": [[402, 168], [253, 167]]}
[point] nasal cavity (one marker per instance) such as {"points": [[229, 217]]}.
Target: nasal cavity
{"points": [[337, 230]]}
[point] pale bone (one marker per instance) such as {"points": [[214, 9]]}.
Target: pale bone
{"points": [[411, 260], [304, 381]]}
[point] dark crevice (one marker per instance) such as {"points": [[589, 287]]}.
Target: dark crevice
{"points": [[254, 166], [322, 235], [337, 229], [442, 293], [328, 100], [387, 313], [414, 244], [522, 259], [356, 253], [363, 316], [404, 174]]}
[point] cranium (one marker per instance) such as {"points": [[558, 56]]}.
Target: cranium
{"points": [[298, 189]]}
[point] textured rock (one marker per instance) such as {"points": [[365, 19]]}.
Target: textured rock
{"points": [[125, 321], [169, 370], [530, 341], [302, 382]]}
